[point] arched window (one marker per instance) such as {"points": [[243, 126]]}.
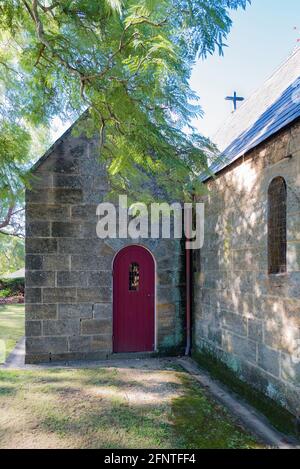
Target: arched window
{"points": [[277, 226]]}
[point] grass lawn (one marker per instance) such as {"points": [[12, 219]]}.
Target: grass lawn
{"points": [[145, 406], [11, 325]]}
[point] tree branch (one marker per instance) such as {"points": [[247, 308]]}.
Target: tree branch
{"points": [[8, 217], [9, 68], [40, 54], [42, 37], [14, 234], [49, 8]]}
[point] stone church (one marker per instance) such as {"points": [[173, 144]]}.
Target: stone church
{"points": [[237, 300]]}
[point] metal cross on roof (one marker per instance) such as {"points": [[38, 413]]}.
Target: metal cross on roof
{"points": [[235, 99]]}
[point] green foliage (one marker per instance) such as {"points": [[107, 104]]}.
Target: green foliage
{"points": [[14, 147], [11, 254], [127, 62], [11, 287], [5, 293]]}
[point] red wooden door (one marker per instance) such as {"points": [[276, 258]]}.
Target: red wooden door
{"points": [[133, 300]]}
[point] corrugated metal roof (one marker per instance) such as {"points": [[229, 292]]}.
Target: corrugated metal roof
{"points": [[271, 108]]}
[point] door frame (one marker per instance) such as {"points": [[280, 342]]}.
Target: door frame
{"points": [[155, 290]]}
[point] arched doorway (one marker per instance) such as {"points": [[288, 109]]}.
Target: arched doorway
{"points": [[133, 300]]}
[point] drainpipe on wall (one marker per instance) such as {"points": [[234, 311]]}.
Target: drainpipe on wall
{"points": [[188, 283]]}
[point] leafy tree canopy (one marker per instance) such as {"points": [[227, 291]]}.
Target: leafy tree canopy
{"points": [[129, 63], [11, 254]]}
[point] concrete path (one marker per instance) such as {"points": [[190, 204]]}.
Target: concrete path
{"points": [[16, 359], [250, 418]]}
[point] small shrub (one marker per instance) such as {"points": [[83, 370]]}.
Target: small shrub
{"points": [[15, 286], [5, 293]]}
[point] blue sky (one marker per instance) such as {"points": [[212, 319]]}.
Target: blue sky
{"points": [[260, 40]]}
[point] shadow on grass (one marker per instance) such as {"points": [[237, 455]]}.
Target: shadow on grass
{"points": [[192, 420], [115, 426], [199, 422], [101, 378], [104, 408]]}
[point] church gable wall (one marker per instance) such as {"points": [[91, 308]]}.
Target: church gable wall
{"points": [[69, 269]]}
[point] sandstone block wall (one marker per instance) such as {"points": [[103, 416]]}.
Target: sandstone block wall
{"points": [[247, 318], [69, 309]]}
